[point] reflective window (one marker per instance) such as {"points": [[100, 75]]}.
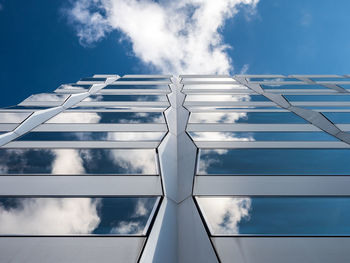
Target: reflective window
{"points": [[13, 117], [331, 79], [272, 79], [77, 161], [75, 216], [111, 86], [214, 86], [245, 117], [47, 97], [278, 86], [215, 79], [338, 117], [93, 79], [317, 97], [262, 136], [144, 79], [92, 136], [81, 88], [126, 98], [274, 161], [291, 216], [108, 117], [236, 97]]}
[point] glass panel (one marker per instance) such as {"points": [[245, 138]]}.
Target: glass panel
{"points": [[75, 216], [13, 117], [317, 97], [291, 216], [278, 86], [261, 136], [338, 117], [77, 161], [82, 88], [92, 136], [208, 79], [229, 108], [111, 86], [236, 97], [47, 97], [330, 79], [274, 161], [214, 86], [93, 79], [126, 98], [273, 79], [245, 117], [108, 117], [144, 79]]}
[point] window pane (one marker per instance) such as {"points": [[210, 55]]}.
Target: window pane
{"points": [[75, 216], [92, 136], [77, 161], [245, 117], [235, 97], [215, 86], [126, 98], [47, 97], [317, 97], [261, 136], [108, 117], [273, 79], [93, 79], [274, 161], [278, 86], [276, 215], [13, 117], [338, 117], [144, 79], [111, 86]]}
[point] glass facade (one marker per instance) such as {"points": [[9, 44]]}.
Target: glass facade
{"points": [[206, 157]]}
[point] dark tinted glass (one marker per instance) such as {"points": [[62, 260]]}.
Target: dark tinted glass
{"points": [[275, 161]]}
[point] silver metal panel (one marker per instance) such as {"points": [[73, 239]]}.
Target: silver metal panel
{"points": [[162, 242], [193, 244], [286, 250], [157, 82], [271, 185], [270, 144], [105, 75], [101, 127], [83, 144], [96, 87], [204, 76], [252, 127], [70, 249], [7, 126], [50, 185], [7, 137], [74, 99], [36, 119]]}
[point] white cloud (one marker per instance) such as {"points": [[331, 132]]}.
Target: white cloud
{"points": [[224, 213], [135, 160], [173, 36], [67, 161], [50, 216], [75, 117], [133, 226]]}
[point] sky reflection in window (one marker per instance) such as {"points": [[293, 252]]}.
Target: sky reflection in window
{"points": [[276, 215], [77, 161], [75, 216], [274, 161]]}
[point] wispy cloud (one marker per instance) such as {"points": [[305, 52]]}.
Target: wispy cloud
{"points": [[171, 36]]}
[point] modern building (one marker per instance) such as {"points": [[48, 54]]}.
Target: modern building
{"points": [[194, 168]]}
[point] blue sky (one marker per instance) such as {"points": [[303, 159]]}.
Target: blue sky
{"points": [[40, 48]]}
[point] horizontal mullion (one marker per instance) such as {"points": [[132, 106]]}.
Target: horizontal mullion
{"points": [[250, 127], [271, 185], [83, 144], [97, 185], [271, 144]]}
